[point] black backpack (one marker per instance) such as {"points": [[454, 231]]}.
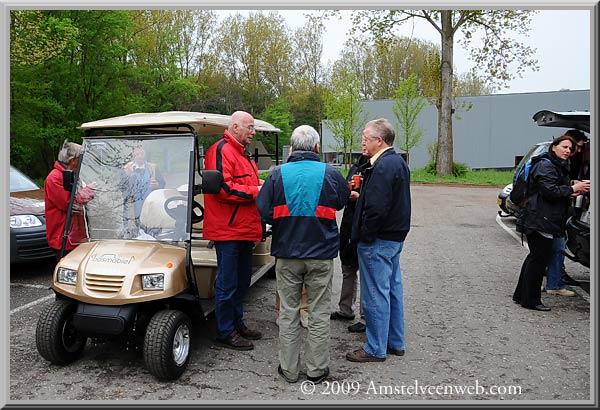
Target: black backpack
{"points": [[520, 189]]}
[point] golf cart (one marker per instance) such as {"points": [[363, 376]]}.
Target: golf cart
{"points": [[578, 225], [140, 270]]}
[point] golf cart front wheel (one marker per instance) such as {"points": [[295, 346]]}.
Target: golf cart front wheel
{"points": [[56, 338], [167, 344]]}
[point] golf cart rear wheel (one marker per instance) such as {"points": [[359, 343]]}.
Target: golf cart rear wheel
{"points": [[167, 344], [56, 338]]}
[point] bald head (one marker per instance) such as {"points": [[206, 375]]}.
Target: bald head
{"points": [[241, 127]]}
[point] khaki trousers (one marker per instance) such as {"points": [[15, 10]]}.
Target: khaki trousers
{"points": [[315, 275], [303, 306]]}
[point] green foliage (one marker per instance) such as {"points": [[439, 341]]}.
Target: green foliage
{"points": [[407, 106], [345, 113], [458, 169], [280, 116]]}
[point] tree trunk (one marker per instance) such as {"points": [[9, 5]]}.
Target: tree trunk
{"points": [[445, 145]]}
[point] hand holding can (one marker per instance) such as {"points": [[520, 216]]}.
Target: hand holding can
{"points": [[356, 181]]}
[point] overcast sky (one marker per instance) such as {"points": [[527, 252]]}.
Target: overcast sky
{"points": [[561, 37]]}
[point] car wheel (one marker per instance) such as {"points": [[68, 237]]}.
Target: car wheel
{"points": [[56, 338], [167, 344]]}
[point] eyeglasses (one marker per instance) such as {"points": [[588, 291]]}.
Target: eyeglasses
{"points": [[580, 145], [365, 139], [248, 127]]}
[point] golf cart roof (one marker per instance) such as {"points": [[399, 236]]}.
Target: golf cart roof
{"points": [[579, 120], [203, 123]]}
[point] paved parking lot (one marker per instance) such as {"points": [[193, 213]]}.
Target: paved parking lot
{"points": [[463, 333]]}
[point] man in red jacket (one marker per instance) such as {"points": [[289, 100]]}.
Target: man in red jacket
{"points": [[57, 199], [232, 222]]}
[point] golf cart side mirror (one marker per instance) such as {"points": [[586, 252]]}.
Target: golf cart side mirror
{"points": [[68, 180], [211, 182]]}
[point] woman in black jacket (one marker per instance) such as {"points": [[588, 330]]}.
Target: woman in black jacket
{"points": [[545, 216]]}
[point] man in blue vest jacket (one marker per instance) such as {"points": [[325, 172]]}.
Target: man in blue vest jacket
{"points": [[300, 199]]}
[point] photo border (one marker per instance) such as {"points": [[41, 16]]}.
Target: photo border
{"points": [[6, 6]]}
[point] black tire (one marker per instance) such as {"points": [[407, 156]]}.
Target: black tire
{"points": [[167, 344], [55, 337]]}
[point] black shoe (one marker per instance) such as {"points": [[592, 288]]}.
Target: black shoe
{"points": [[235, 341], [249, 334], [395, 352], [287, 379], [541, 307], [318, 379], [358, 327], [339, 316]]}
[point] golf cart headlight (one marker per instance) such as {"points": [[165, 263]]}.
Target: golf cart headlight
{"points": [[68, 276], [155, 281], [24, 221]]}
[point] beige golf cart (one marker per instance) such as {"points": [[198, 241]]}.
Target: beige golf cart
{"points": [[141, 270]]}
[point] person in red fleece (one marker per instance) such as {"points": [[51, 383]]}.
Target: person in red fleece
{"points": [[232, 222], [57, 200]]}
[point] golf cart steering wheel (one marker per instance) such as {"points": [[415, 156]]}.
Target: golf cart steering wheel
{"points": [[178, 213]]}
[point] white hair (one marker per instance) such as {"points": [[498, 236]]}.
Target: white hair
{"points": [[69, 151], [304, 138]]}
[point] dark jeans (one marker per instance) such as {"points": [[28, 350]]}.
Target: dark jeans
{"points": [[529, 288], [234, 271]]}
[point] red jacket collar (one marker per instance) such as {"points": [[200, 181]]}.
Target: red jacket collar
{"points": [[233, 141]]}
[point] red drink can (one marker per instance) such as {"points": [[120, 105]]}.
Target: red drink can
{"points": [[356, 180]]}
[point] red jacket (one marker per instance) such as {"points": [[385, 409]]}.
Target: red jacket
{"points": [[56, 204], [231, 215]]}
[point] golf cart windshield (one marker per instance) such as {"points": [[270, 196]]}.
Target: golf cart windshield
{"points": [[138, 188]]}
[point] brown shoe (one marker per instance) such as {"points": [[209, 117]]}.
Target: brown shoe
{"points": [[395, 352], [249, 334], [235, 341], [361, 356]]}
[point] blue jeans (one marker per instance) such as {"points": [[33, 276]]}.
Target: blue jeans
{"points": [[381, 295], [554, 277], [234, 259]]}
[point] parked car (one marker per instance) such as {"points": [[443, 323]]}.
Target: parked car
{"points": [[578, 225], [27, 222], [141, 279]]}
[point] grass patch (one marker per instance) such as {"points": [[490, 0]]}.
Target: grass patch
{"points": [[477, 177]]}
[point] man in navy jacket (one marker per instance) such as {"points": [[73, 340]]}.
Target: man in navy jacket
{"points": [[380, 225], [300, 199]]}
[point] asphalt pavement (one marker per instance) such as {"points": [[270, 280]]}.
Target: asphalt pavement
{"points": [[465, 339]]}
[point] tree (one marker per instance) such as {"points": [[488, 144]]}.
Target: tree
{"points": [[257, 53], [345, 114], [406, 108], [497, 55], [36, 36], [279, 115], [309, 76]]}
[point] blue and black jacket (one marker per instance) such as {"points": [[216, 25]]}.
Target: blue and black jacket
{"points": [[300, 199]]}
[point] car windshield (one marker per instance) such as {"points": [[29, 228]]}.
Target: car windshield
{"points": [[138, 189], [19, 182]]}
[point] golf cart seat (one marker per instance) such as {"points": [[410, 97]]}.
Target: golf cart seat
{"points": [[153, 213]]}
